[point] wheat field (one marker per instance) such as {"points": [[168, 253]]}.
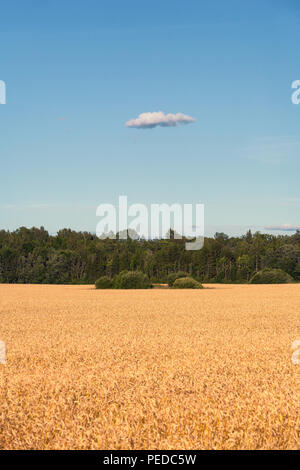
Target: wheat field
{"points": [[153, 369]]}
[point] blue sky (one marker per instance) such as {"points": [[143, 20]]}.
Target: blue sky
{"points": [[77, 71]]}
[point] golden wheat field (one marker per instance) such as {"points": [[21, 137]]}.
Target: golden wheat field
{"points": [[149, 369]]}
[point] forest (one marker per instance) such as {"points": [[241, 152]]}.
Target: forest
{"points": [[70, 257]]}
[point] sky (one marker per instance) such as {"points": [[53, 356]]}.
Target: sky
{"points": [[77, 71]]}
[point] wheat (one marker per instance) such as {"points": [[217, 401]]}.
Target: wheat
{"points": [[153, 369]]}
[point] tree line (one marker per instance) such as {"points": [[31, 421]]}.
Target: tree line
{"points": [[70, 257]]}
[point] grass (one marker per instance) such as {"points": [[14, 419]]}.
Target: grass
{"points": [[149, 369]]}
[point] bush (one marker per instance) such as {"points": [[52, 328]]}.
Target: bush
{"points": [[104, 282], [132, 280], [271, 276], [173, 276], [187, 283]]}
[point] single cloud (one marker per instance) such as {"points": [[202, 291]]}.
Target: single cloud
{"points": [[149, 120], [284, 227]]}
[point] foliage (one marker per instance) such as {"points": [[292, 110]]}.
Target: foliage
{"points": [[173, 276], [104, 282], [69, 257], [271, 276], [132, 280], [187, 283]]}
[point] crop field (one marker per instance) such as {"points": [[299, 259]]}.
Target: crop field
{"points": [[149, 369]]}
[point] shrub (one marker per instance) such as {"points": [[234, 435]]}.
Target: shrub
{"points": [[104, 282], [271, 276], [187, 283], [132, 280], [173, 276]]}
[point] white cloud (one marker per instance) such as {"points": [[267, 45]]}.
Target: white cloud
{"points": [[148, 120], [284, 227]]}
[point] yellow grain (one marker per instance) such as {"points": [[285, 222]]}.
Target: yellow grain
{"points": [[153, 369]]}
